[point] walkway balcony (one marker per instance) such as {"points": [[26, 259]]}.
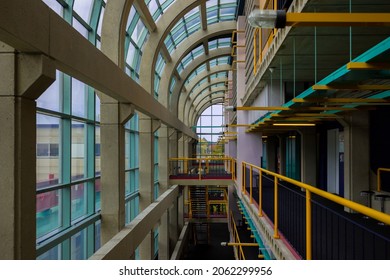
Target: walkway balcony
{"points": [[202, 171]]}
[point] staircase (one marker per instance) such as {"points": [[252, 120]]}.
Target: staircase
{"points": [[198, 204], [201, 233]]}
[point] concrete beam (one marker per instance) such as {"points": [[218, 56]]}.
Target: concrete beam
{"points": [[123, 244], [155, 42], [217, 29], [181, 243], [145, 15], [203, 15]]}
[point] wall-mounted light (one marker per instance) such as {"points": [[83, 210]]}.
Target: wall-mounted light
{"points": [[281, 19], [267, 18]]}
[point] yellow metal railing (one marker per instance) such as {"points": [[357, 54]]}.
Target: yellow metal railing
{"points": [[223, 203], [236, 238], [379, 177], [366, 211]]}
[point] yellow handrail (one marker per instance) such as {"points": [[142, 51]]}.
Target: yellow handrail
{"points": [[379, 177], [205, 158], [366, 211], [236, 237]]}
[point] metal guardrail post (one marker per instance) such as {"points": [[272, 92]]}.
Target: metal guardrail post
{"points": [[308, 226], [200, 169], [250, 185], [243, 178], [260, 194], [185, 162], [276, 233]]}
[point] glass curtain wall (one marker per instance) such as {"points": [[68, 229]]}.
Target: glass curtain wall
{"points": [[209, 128], [68, 152]]}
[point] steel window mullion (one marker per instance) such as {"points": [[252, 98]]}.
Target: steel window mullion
{"points": [[66, 134], [90, 240], [95, 15]]}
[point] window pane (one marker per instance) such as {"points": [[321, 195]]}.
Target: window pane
{"points": [[97, 108], [78, 98], [78, 150], [79, 201], [55, 6], [80, 28], [127, 183], [78, 246], [97, 151], [50, 98], [83, 8], [99, 29], [48, 140], [97, 235], [48, 214], [53, 254], [97, 195]]}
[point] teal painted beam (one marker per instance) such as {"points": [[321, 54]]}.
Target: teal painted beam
{"points": [[259, 240]]}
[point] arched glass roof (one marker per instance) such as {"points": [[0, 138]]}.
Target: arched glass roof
{"points": [[220, 10], [136, 36], [198, 51], [157, 7], [210, 78], [201, 68], [220, 43], [187, 25], [216, 11], [84, 15]]}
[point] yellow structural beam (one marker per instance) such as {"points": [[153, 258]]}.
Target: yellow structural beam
{"points": [[323, 108], [338, 19], [306, 115], [239, 125], [263, 108], [368, 66], [340, 100], [242, 244], [351, 87]]}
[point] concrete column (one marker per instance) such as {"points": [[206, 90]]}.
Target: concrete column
{"points": [[163, 166], [174, 227], [180, 148], [282, 150], [147, 127], [356, 155], [174, 143], [308, 155], [163, 158], [113, 117], [249, 145], [23, 79]]}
